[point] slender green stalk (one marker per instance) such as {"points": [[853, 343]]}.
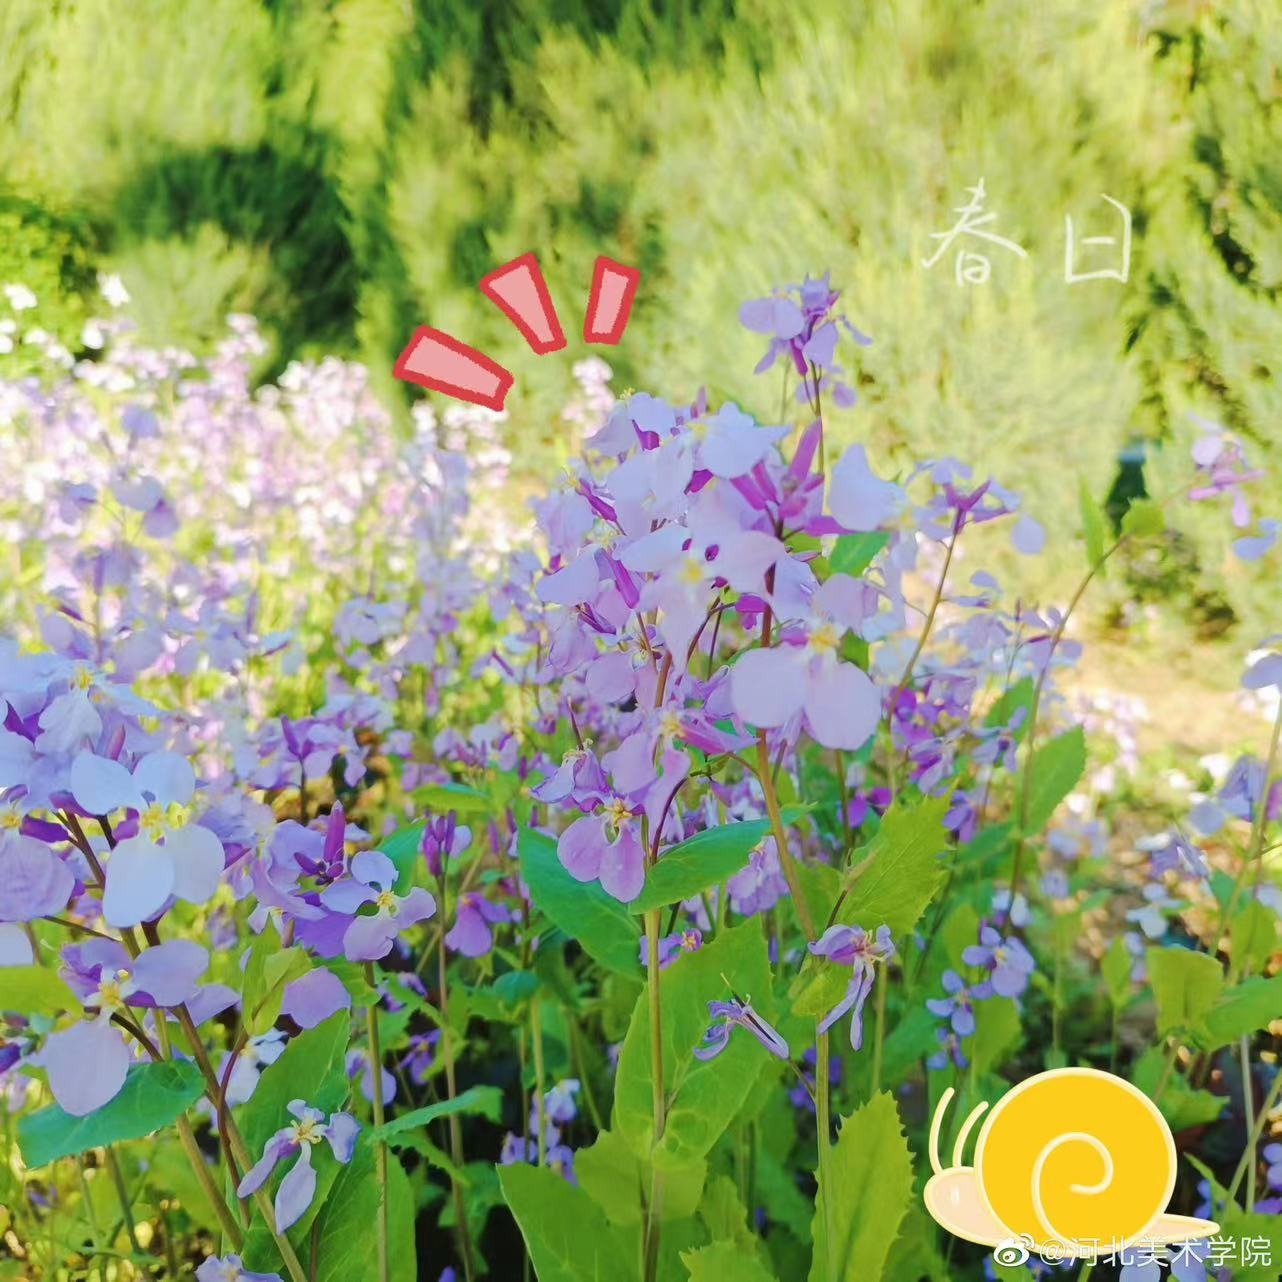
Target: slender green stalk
{"points": [[658, 1099], [823, 1125], [786, 862], [122, 1195], [879, 1032], [1248, 1115], [380, 1149], [536, 1039], [451, 1089], [95, 1230], [1248, 1158]]}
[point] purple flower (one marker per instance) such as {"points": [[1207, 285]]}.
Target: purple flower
{"points": [[443, 837], [370, 936], [805, 676], [1009, 962], [297, 1189], [421, 1055], [672, 946], [726, 1016], [229, 1268], [588, 853], [758, 886], [34, 882], [959, 1006], [853, 946], [471, 934], [87, 1063], [168, 855], [950, 1049]]}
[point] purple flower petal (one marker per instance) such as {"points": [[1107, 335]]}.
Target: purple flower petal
{"points": [[296, 1190], [169, 973], [274, 1151], [768, 687], [87, 1064], [102, 786], [341, 1133], [842, 704], [140, 878], [314, 997]]}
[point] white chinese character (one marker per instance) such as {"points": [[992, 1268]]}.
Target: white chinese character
{"points": [[1222, 1253], [971, 268], [1256, 1250], [1072, 275]]}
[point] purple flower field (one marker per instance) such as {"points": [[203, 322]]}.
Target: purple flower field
{"points": [[399, 882]]}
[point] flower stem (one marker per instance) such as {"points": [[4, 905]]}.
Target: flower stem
{"points": [[823, 1125], [1248, 1116], [451, 1089], [1249, 1158], [786, 862], [879, 1033], [536, 1038], [658, 1099], [380, 1150]]}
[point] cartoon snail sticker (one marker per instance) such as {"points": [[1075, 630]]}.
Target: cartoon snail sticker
{"points": [[1072, 1162]]}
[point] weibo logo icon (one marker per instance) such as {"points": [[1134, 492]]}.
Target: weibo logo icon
{"points": [[1074, 1162]]}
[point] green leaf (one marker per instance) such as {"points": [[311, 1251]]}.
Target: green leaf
{"points": [[618, 1181], [35, 990], [582, 910], [1181, 1104], [1185, 986], [268, 970], [1116, 966], [706, 1096], [1093, 527], [1144, 519], [565, 1233], [153, 1096], [452, 796], [904, 870], [914, 1254], [1056, 769], [1247, 1006], [724, 1260], [997, 1032], [485, 1101], [871, 1174], [854, 553], [1253, 933], [402, 848], [313, 1068], [709, 857], [1012, 699], [345, 1251]]}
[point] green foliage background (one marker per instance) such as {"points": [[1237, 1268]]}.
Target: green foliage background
{"points": [[347, 169]]}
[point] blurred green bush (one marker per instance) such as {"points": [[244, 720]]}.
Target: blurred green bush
{"points": [[347, 169]]}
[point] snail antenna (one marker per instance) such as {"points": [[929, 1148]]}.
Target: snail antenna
{"points": [[936, 1123], [960, 1147]]}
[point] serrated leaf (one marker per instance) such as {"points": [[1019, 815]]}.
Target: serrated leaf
{"points": [[565, 1233], [1057, 767], [35, 990], [904, 871], [1185, 987], [585, 912], [484, 1101], [153, 1096], [723, 1260], [707, 859], [706, 1095], [871, 1174], [854, 553]]}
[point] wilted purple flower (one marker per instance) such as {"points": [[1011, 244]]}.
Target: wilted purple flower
{"points": [[959, 1006], [1009, 962], [358, 1065], [760, 885], [853, 946], [373, 875], [256, 1055], [297, 1189], [230, 1268], [726, 1016]]}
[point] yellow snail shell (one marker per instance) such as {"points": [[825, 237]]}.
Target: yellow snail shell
{"points": [[1074, 1159]]}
